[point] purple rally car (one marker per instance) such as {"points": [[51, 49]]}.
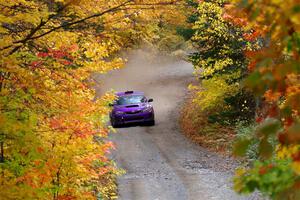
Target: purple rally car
{"points": [[131, 107]]}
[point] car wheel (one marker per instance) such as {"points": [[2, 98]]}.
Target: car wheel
{"points": [[113, 123], [151, 123]]}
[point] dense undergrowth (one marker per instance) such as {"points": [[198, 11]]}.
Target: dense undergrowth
{"points": [[52, 128], [220, 100], [247, 64], [196, 126], [246, 56]]}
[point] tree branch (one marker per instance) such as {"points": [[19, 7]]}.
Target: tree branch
{"points": [[82, 20], [34, 30], [31, 36]]}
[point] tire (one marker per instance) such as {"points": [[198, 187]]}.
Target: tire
{"points": [[151, 123], [113, 123]]}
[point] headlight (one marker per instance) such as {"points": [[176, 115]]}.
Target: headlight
{"points": [[119, 113]]}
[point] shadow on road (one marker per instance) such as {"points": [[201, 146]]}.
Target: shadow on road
{"points": [[134, 125]]}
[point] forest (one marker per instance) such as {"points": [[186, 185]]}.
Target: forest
{"points": [[244, 102]]}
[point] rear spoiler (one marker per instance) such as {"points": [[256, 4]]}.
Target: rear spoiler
{"points": [[129, 92]]}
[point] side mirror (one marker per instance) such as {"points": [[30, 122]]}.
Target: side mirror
{"points": [[150, 100]]}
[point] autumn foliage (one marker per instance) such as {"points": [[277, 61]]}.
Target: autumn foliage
{"points": [[52, 129], [274, 78], [253, 47]]}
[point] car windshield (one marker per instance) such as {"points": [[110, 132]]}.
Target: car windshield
{"points": [[132, 99]]}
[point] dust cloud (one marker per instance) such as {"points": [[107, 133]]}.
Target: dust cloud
{"points": [[160, 162], [143, 71], [160, 77]]}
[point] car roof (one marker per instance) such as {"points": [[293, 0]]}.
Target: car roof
{"points": [[129, 93]]}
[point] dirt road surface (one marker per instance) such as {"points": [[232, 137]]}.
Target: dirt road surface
{"points": [[161, 163]]}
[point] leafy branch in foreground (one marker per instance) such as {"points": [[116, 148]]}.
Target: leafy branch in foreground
{"points": [[52, 130], [221, 65], [275, 79]]}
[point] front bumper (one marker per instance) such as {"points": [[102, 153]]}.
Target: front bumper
{"points": [[133, 118]]}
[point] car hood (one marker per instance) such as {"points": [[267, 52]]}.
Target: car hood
{"points": [[130, 107]]}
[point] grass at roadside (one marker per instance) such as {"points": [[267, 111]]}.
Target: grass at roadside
{"points": [[108, 187], [195, 126]]}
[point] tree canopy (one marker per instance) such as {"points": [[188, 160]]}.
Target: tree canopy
{"points": [[52, 129]]}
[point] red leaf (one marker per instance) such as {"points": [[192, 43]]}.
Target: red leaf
{"points": [[282, 138], [263, 170], [36, 64], [42, 54], [259, 119], [296, 156]]}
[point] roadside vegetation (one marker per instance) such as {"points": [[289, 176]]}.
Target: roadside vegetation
{"points": [[246, 62], [246, 97], [52, 129], [220, 99]]}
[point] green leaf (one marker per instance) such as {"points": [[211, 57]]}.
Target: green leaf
{"points": [[240, 147], [286, 111], [265, 149], [293, 133], [289, 45], [254, 81], [296, 8], [255, 13], [269, 127]]}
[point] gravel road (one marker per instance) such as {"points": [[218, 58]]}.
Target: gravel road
{"points": [[161, 164]]}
